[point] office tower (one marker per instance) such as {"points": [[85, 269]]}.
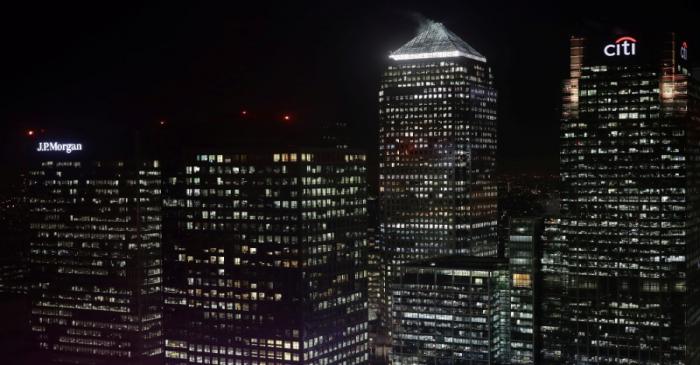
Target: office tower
{"points": [[376, 288], [437, 113], [95, 260], [13, 250], [553, 287], [630, 202], [451, 310], [505, 199], [437, 146], [267, 264], [524, 251], [374, 263]]}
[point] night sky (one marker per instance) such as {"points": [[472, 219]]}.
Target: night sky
{"points": [[103, 66]]}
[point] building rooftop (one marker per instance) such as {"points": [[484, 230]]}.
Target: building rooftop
{"points": [[459, 262], [435, 41]]}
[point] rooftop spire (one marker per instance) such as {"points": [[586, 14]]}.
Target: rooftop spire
{"points": [[435, 41]]}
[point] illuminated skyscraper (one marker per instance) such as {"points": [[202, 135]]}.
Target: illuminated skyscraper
{"points": [[95, 261], [437, 149], [375, 264], [630, 171], [451, 310], [266, 261], [553, 269], [523, 249], [13, 251], [437, 111]]}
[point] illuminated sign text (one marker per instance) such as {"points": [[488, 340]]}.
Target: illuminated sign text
{"points": [[623, 46], [59, 147]]}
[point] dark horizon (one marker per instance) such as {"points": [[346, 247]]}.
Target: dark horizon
{"points": [[91, 68]]}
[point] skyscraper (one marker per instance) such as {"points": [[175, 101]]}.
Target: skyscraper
{"points": [[266, 263], [375, 264], [437, 152], [13, 251], [552, 336], [630, 169], [437, 112], [451, 310], [437, 148], [376, 288], [95, 261], [524, 250]]}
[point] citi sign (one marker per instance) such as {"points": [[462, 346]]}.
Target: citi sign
{"points": [[59, 147], [623, 46]]}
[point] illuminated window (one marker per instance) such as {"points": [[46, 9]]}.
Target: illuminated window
{"points": [[522, 280]]}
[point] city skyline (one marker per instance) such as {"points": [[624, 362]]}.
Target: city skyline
{"points": [[326, 184], [76, 68]]}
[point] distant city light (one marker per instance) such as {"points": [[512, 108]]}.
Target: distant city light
{"points": [[30, 132], [244, 112], [162, 122], [287, 117]]}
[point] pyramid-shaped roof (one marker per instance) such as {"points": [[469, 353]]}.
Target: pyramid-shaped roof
{"points": [[435, 41]]}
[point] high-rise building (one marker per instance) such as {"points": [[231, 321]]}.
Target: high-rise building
{"points": [[552, 337], [630, 180], [437, 149], [437, 112], [379, 342], [266, 261], [451, 310], [375, 264], [15, 337], [524, 252], [13, 251], [95, 260]]}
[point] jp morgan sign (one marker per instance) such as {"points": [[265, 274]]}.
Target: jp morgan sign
{"points": [[623, 46], [59, 147]]}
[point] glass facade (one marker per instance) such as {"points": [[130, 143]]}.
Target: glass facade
{"points": [[524, 250], [437, 153], [376, 289], [451, 310], [95, 260], [553, 287], [266, 259], [437, 149], [375, 264], [630, 202], [13, 251]]}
